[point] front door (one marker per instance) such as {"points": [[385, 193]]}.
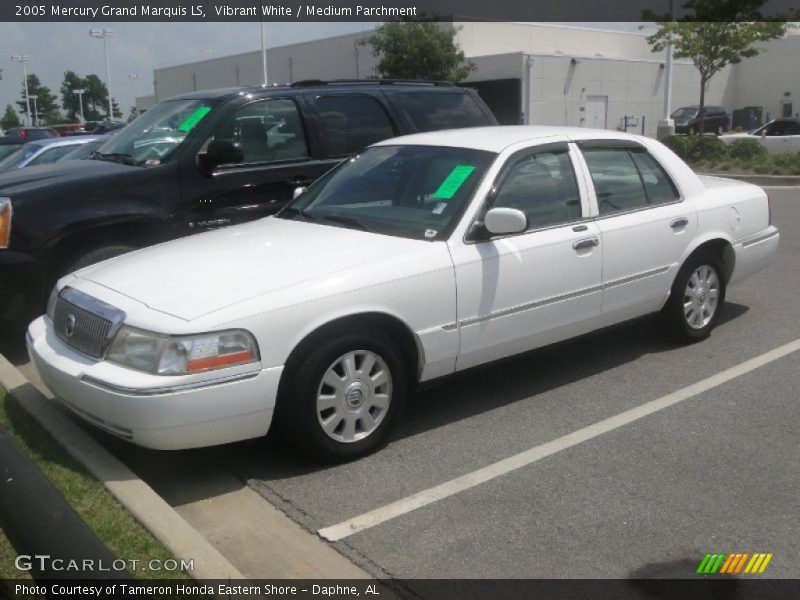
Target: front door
{"points": [[277, 159], [521, 291]]}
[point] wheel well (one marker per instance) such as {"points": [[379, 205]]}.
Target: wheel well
{"points": [[393, 327], [724, 250], [135, 233]]}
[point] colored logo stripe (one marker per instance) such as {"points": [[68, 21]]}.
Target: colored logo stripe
{"points": [[731, 564]]}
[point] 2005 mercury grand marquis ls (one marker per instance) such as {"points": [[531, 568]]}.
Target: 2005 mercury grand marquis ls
{"points": [[423, 256]]}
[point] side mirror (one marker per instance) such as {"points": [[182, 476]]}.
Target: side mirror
{"points": [[297, 192], [221, 152], [500, 221]]}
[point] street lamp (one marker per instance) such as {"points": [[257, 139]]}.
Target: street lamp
{"points": [[79, 94], [23, 58], [138, 78], [35, 123], [104, 34]]}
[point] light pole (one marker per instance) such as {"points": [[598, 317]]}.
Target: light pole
{"points": [[138, 79], [35, 123], [263, 54], [104, 34], [666, 126], [23, 58], [79, 94]]}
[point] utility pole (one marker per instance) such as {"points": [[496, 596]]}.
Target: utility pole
{"points": [[23, 58], [35, 123], [104, 34], [80, 94]]}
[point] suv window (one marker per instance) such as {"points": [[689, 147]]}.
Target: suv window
{"points": [[269, 130], [350, 123], [543, 186], [627, 179], [431, 111]]}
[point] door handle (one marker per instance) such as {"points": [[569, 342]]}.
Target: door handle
{"points": [[679, 223], [586, 243]]}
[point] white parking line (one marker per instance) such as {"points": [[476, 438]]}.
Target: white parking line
{"points": [[523, 459]]}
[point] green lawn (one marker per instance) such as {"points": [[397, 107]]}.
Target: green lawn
{"points": [[109, 520]]}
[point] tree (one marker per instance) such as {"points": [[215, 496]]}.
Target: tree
{"points": [[10, 118], [418, 50], [46, 105], [718, 33], [133, 114], [116, 109]]}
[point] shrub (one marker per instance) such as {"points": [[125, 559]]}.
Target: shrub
{"points": [[678, 144], [745, 149], [697, 149]]}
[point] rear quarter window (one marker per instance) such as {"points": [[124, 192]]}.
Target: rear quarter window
{"points": [[431, 111]]}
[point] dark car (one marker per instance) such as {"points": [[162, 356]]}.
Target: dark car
{"points": [[687, 120], [33, 133], [9, 143], [200, 161]]}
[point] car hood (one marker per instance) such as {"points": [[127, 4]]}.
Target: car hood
{"points": [[197, 275], [31, 178]]}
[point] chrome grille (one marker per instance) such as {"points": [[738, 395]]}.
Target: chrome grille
{"points": [[85, 323]]}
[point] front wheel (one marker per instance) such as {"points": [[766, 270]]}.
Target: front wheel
{"points": [[696, 298], [342, 401]]}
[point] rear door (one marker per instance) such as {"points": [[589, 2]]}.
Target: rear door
{"points": [[645, 226]]}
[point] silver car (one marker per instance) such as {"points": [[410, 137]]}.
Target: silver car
{"points": [[42, 152]]}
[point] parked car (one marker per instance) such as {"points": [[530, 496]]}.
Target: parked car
{"points": [[87, 150], [425, 255], [33, 133], [202, 161], [780, 136], [687, 120], [104, 127], [40, 152], [9, 143], [66, 129]]}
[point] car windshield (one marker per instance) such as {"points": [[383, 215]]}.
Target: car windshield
{"points": [[83, 151], [152, 137], [18, 157], [686, 111], [417, 192]]}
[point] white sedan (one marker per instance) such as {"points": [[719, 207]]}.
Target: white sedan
{"points": [[424, 256], [781, 136]]}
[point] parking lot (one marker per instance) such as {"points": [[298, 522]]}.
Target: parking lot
{"points": [[600, 457]]}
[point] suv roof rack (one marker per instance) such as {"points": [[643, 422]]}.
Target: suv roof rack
{"points": [[313, 82]]}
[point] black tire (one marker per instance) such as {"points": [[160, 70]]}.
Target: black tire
{"points": [[692, 326], [298, 417], [96, 255]]}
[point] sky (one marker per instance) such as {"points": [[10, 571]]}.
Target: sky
{"points": [[139, 48]]}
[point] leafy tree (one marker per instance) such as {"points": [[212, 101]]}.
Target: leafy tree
{"points": [[716, 34], [132, 114], [418, 50], [10, 118], [46, 105], [116, 109]]}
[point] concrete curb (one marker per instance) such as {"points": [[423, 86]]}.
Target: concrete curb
{"points": [[763, 180], [180, 538]]}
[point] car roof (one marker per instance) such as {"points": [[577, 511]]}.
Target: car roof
{"points": [[63, 141], [498, 138]]}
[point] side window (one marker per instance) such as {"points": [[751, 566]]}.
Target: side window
{"points": [[542, 186], [431, 111], [51, 155], [271, 130], [626, 179], [350, 123]]}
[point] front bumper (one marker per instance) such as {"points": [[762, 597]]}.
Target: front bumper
{"points": [[165, 413], [22, 283]]}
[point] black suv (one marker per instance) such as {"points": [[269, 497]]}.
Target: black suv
{"points": [[200, 161], [687, 120]]}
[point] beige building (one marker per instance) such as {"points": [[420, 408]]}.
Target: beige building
{"points": [[542, 74]]}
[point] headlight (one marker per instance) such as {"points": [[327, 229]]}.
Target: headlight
{"points": [[162, 354], [51, 302]]}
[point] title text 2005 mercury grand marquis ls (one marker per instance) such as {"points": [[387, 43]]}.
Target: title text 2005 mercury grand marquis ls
{"points": [[423, 256]]}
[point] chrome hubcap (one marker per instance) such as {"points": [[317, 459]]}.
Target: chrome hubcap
{"points": [[354, 396], [701, 297]]}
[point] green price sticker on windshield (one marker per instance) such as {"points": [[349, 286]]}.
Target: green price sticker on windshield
{"points": [[194, 118], [454, 181]]}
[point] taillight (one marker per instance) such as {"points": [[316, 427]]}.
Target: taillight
{"points": [[769, 209], [23, 133], [5, 222]]}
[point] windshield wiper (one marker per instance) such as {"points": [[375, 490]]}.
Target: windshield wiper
{"points": [[347, 220], [125, 159]]}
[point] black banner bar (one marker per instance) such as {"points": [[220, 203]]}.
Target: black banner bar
{"points": [[353, 10]]}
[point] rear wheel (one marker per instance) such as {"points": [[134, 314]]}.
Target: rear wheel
{"points": [[343, 398], [696, 298]]}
